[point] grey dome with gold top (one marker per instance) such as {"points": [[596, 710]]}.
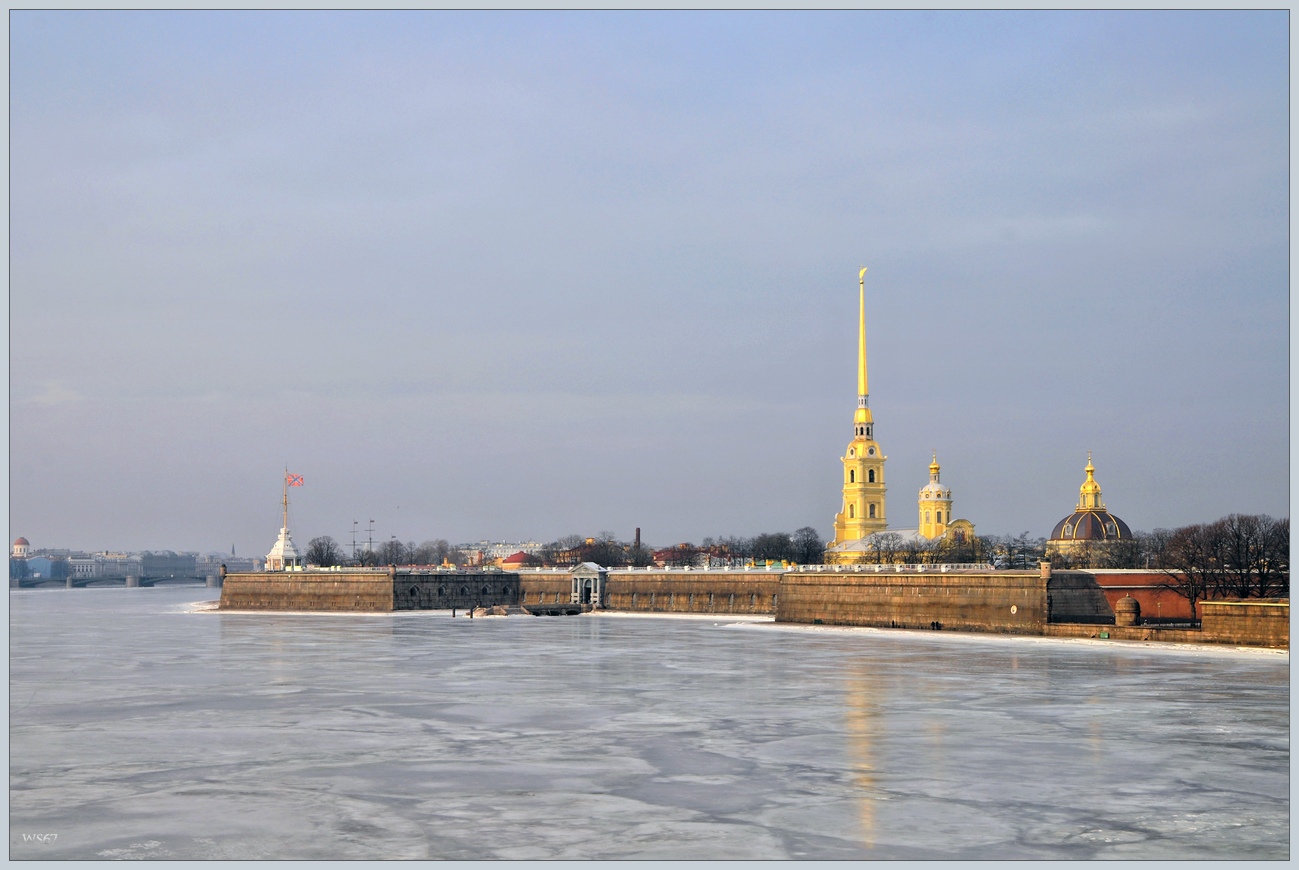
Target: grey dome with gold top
{"points": [[1090, 521]]}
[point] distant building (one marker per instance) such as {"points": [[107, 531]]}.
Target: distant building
{"points": [[46, 568], [82, 567], [519, 560], [491, 551], [212, 562], [1090, 525], [21, 548]]}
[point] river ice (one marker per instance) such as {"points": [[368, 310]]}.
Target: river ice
{"points": [[140, 728]]}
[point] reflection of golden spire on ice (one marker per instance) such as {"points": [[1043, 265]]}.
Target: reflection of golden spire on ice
{"points": [[861, 718]]}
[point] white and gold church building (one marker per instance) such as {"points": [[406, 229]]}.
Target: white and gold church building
{"points": [[862, 521]]}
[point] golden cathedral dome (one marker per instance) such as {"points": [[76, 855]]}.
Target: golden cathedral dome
{"points": [[1090, 521]]}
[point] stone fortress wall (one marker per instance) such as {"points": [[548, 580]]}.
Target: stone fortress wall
{"points": [[680, 591], [1052, 603], [1007, 601], [1043, 602], [368, 590]]}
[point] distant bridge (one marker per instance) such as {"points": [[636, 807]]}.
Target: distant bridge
{"points": [[109, 582]]}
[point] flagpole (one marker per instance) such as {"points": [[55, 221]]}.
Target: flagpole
{"points": [[286, 498]]}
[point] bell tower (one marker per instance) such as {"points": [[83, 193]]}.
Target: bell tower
{"points": [[935, 505], [862, 512]]}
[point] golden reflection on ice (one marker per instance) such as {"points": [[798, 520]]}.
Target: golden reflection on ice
{"points": [[862, 718]]}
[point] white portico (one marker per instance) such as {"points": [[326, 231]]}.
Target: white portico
{"points": [[589, 584]]}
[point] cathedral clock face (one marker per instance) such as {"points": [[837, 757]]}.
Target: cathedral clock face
{"points": [[871, 451]]}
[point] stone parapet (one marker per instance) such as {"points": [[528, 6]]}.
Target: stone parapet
{"points": [[667, 591], [545, 587], [1010, 602], [295, 590], [1119, 632], [1248, 623], [373, 590]]}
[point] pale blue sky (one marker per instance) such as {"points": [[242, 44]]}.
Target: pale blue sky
{"points": [[516, 275]]}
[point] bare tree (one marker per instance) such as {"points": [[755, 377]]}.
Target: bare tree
{"points": [[957, 547], [1274, 565], [437, 552], [394, 552], [915, 550], [1191, 561], [773, 546], [809, 549], [324, 552], [639, 556], [1238, 556], [885, 547], [1255, 556], [684, 555]]}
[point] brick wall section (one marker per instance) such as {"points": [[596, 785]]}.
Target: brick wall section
{"points": [[747, 592], [1248, 623], [1147, 587], [960, 602]]}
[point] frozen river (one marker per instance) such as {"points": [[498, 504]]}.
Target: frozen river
{"points": [[142, 729]]}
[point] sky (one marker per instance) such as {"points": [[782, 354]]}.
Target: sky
{"points": [[512, 275]]}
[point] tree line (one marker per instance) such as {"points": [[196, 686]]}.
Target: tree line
{"points": [[803, 546], [326, 552], [1238, 556]]}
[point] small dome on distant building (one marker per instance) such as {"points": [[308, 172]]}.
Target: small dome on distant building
{"points": [[21, 547]]}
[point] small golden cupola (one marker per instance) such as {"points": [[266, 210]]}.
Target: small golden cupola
{"points": [[935, 504], [1089, 494]]}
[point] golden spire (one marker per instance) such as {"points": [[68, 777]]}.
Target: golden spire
{"points": [[934, 468], [862, 418], [862, 391]]}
